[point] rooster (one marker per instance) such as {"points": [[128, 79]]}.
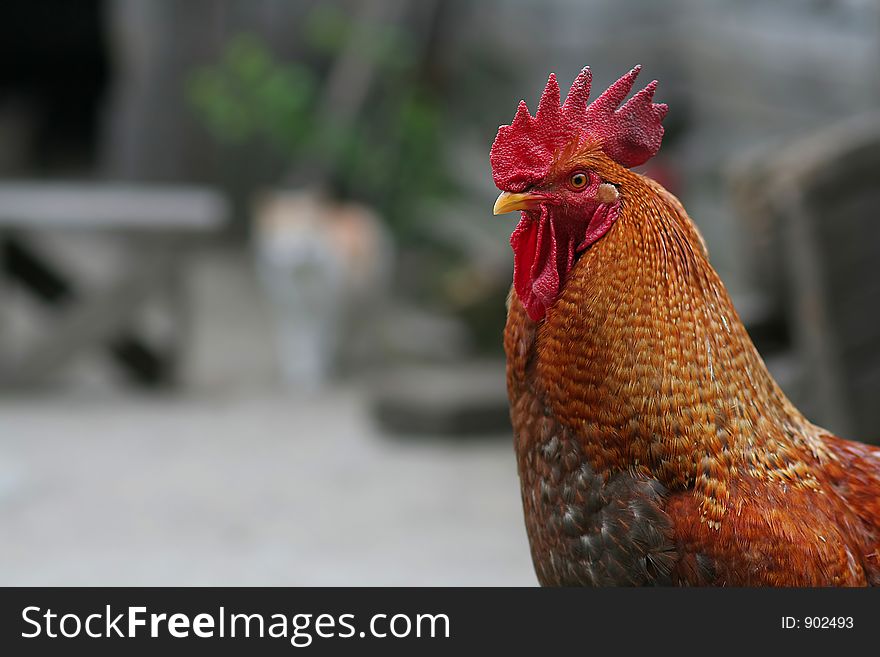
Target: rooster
{"points": [[653, 446]]}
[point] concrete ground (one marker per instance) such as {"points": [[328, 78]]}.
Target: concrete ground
{"points": [[249, 491]]}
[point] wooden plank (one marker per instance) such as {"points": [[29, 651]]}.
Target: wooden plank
{"points": [[73, 205]]}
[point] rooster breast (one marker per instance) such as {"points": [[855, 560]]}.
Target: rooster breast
{"points": [[585, 528]]}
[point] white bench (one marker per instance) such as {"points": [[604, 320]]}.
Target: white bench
{"points": [[159, 223]]}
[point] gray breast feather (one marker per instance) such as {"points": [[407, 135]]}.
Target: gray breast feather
{"points": [[586, 531]]}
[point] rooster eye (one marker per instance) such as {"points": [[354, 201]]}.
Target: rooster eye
{"points": [[578, 180]]}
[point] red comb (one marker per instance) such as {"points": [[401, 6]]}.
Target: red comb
{"points": [[525, 150]]}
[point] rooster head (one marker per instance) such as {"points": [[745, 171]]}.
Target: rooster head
{"points": [[554, 168]]}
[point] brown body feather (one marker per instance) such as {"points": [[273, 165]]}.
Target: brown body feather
{"points": [[653, 445]]}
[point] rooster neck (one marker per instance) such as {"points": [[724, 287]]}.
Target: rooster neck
{"points": [[645, 357]]}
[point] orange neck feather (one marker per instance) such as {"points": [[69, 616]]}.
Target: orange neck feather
{"points": [[644, 355]]}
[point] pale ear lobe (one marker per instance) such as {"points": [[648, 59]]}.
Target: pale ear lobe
{"points": [[607, 193]]}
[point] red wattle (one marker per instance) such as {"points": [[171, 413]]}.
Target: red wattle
{"points": [[544, 251], [535, 276]]}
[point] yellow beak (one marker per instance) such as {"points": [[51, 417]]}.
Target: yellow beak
{"points": [[508, 202]]}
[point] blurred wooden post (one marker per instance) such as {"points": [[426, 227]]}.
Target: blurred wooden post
{"points": [[823, 195]]}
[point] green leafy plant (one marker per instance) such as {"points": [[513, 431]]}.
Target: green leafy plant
{"points": [[248, 95], [391, 155]]}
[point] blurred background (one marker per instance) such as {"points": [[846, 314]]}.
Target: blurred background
{"points": [[252, 292]]}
